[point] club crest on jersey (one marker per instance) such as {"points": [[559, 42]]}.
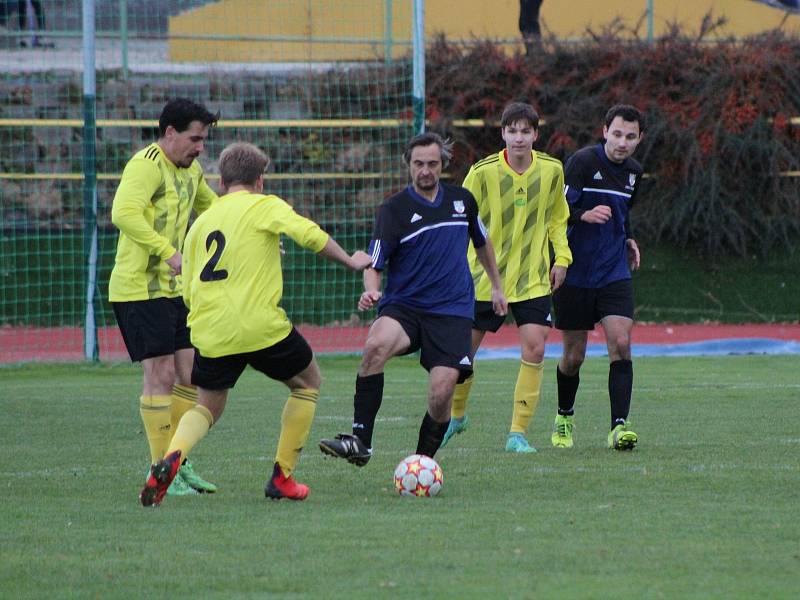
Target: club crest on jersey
{"points": [[458, 206], [631, 179]]}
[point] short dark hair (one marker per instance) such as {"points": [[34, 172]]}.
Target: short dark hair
{"points": [[241, 163], [426, 139], [180, 112], [628, 112], [519, 111]]}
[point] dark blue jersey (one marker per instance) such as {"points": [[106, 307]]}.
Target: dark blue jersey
{"points": [[422, 246], [599, 252]]}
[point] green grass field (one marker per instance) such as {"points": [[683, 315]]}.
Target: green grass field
{"points": [[706, 507]]}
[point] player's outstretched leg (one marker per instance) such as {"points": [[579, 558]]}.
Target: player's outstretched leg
{"points": [[284, 486], [347, 446], [161, 475], [622, 438], [562, 431], [457, 425]]}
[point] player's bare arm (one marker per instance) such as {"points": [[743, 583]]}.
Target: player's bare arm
{"points": [[557, 276], [634, 256], [372, 293], [333, 251], [487, 259]]}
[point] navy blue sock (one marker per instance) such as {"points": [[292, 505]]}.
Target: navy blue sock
{"points": [[366, 404], [567, 390], [431, 434], [620, 388]]}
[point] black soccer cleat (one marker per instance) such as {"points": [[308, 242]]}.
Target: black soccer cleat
{"points": [[347, 446]]}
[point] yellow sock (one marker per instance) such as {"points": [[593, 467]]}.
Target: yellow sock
{"points": [[526, 395], [460, 396], [155, 416], [193, 427], [298, 413], [184, 399]]}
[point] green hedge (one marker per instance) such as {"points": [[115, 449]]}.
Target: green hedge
{"points": [[718, 138]]}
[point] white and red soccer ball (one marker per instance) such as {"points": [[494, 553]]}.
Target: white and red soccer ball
{"points": [[418, 475]]}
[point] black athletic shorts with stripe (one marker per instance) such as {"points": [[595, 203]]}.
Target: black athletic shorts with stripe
{"points": [[443, 340]]}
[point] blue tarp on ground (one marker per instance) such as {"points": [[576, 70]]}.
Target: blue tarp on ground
{"points": [[704, 348]]}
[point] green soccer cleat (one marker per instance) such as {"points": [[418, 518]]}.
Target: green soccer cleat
{"points": [[193, 480], [457, 425], [562, 431], [517, 443], [622, 438], [179, 487]]}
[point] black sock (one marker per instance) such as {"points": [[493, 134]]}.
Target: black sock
{"points": [[431, 434], [366, 403], [567, 390], [620, 387]]}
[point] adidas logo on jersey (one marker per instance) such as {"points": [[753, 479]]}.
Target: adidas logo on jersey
{"points": [[597, 176], [415, 218], [465, 361]]}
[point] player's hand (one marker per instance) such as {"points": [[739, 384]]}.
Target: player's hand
{"points": [[499, 302], [634, 256], [369, 299], [557, 275], [360, 260], [598, 215], [175, 261]]}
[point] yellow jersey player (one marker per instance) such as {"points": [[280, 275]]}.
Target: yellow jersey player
{"points": [[233, 287], [520, 195], [160, 187]]}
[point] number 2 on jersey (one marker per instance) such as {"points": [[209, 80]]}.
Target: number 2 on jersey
{"points": [[208, 273]]}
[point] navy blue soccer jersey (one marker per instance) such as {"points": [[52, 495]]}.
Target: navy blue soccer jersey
{"points": [[422, 246], [599, 252]]}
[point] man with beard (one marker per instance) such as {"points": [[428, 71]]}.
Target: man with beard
{"points": [[160, 187], [420, 238]]}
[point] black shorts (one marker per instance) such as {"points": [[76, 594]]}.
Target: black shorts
{"points": [[280, 361], [579, 309], [154, 327], [443, 340], [535, 310]]}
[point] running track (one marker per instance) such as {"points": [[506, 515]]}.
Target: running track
{"points": [[21, 344]]}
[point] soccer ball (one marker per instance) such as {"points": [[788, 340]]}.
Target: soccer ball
{"points": [[418, 475]]}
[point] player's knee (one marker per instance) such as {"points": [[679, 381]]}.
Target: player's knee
{"points": [[375, 355], [160, 375], [619, 347], [533, 354], [571, 362]]}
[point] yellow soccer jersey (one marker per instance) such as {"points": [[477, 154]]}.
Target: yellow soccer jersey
{"points": [[151, 209], [232, 272], [522, 214]]}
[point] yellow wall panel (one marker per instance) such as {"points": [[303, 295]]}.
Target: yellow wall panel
{"points": [[312, 21]]}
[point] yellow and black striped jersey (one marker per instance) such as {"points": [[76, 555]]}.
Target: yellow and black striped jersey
{"points": [[232, 272], [524, 214], [151, 209]]}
